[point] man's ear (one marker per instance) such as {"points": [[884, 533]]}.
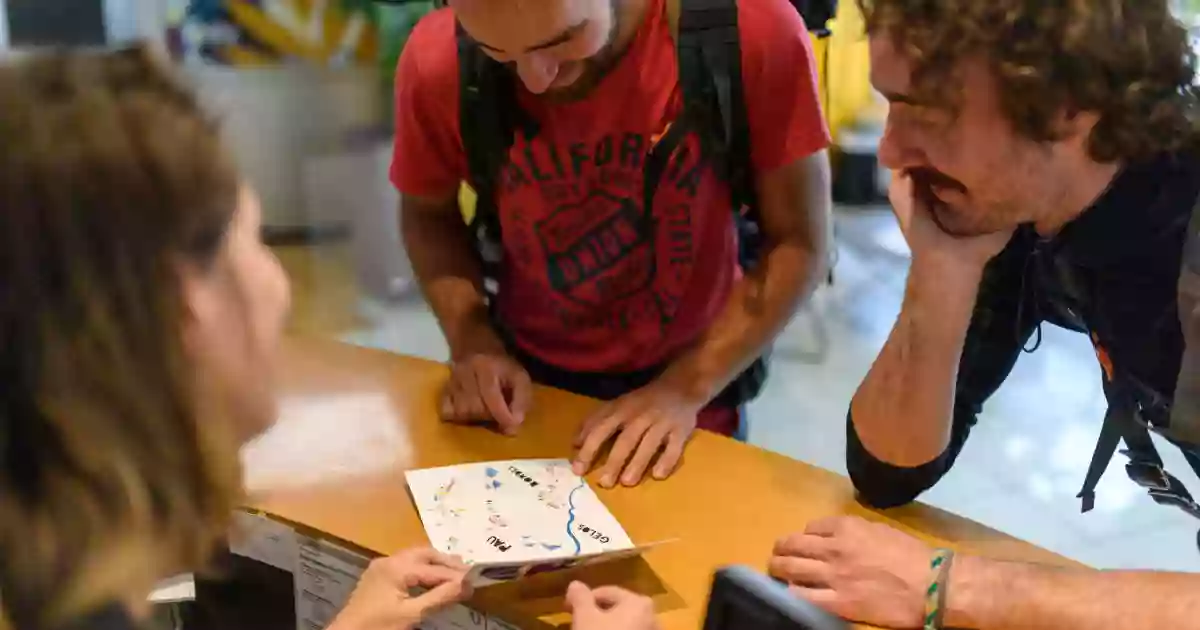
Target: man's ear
{"points": [[1075, 125]]}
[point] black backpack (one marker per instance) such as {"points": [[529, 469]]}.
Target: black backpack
{"points": [[710, 77], [1135, 408]]}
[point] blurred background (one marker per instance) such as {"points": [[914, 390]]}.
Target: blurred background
{"points": [[304, 90]]}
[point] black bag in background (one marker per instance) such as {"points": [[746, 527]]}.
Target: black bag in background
{"points": [[816, 14]]}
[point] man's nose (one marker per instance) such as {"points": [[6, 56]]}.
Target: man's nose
{"points": [[537, 72], [896, 151]]}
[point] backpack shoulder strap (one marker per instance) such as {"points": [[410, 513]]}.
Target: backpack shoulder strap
{"points": [[708, 49], [489, 117], [486, 97]]}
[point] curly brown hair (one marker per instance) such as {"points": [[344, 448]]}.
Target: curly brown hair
{"points": [[1129, 61]]}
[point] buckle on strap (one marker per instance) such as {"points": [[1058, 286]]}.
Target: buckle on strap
{"points": [[1163, 487], [1149, 475], [1145, 467]]}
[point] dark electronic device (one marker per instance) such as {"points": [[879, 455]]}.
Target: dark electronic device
{"points": [[744, 599]]}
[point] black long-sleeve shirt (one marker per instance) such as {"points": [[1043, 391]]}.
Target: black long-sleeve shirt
{"points": [[1112, 273]]}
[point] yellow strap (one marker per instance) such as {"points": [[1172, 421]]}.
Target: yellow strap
{"points": [[673, 9]]}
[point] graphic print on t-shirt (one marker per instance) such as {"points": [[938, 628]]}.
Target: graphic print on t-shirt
{"points": [[573, 214], [585, 245]]}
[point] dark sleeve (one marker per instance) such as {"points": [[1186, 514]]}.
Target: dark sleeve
{"points": [[994, 341]]}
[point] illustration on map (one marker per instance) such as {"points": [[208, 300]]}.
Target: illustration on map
{"points": [[516, 518]]}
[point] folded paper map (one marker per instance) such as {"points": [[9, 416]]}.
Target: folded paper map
{"points": [[516, 518]]}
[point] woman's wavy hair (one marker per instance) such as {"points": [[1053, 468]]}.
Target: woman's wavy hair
{"points": [[111, 180], [1129, 61]]}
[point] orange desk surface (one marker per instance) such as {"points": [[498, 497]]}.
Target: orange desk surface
{"points": [[728, 503]]}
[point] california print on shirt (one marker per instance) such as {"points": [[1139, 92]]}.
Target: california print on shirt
{"points": [[574, 214]]}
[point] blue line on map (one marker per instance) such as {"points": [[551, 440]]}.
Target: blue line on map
{"points": [[571, 516]]}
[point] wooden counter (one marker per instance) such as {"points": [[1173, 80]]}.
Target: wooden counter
{"points": [[370, 415]]}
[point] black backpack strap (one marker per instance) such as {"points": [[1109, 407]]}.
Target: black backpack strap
{"points": [[489, 117], [1128, 403], [1106, 447], [708, 45], [709, 58], [1144, 466]]}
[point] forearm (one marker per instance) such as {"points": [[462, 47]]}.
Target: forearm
{"points": [[759, 307], [902, 412], [991, 595], [449, 275]]}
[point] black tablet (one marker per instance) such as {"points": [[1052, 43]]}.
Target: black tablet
{"points": [[744, 599]]}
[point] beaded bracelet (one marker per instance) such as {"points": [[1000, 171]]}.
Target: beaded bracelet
{"points": [[935, 595]]}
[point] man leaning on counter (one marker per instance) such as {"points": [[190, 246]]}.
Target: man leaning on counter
{"points": [[1046, 166]]}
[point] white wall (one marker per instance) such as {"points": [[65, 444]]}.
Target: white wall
{"points": [[127, 20], [3, 27], [151, 19], [275, 119], [120, 20]]}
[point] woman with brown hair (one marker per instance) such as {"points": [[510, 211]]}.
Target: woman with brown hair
{"points": [[140, 315], [139, 319]]}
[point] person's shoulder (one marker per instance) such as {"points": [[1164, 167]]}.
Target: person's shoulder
{"points": [[764, 22], [431, 52], [773, 38], [1173, 179]]}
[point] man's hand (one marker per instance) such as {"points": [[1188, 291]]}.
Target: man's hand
{"points": [[382, 599], [860, 571], [928, 241], [487, 387], [654, 419], [609, 608]]}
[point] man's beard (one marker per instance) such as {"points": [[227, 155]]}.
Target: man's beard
{"points": [[955, 222], [595, 68]]}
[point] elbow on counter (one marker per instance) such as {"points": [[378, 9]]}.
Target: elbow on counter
{"points": [[880, 485]]}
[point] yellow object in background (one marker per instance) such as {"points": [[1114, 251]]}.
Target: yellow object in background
{"points": [[271, 33], [845, 58], [304, 29], [365, 48], [244, 57]]}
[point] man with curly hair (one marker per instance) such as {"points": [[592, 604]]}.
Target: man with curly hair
{"points": [[1045, 171]]}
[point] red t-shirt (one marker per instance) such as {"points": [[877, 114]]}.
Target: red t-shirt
{"points": [[582, 288]]}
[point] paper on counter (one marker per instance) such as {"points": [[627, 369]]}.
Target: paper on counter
{"points": [[181, 588], [514, 518], [326, 575], [264, 539]]}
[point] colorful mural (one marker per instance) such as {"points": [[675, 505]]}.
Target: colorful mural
{"points": [[243, 33]]}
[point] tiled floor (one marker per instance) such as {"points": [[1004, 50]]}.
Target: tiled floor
{"points": [[1025, 461]]}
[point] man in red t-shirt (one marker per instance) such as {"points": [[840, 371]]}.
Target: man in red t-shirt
{"points": [[584, 296]]}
